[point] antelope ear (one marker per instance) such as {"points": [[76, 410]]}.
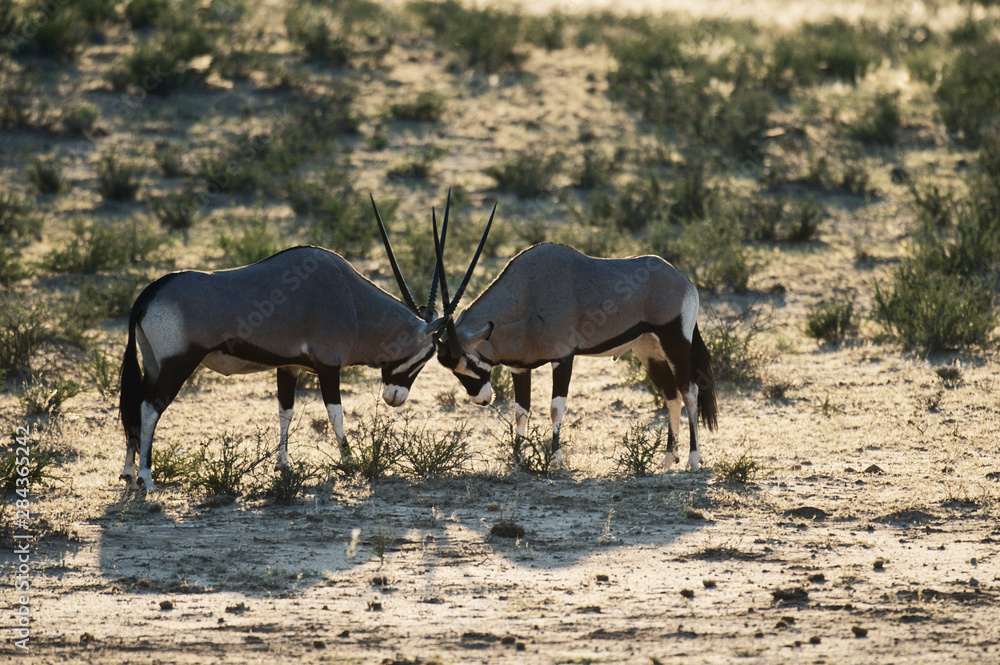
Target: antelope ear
{"points": [[478, 337]]}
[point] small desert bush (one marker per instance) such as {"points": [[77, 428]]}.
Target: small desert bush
{"points": [[11, 267], [734, 345], [104, 246], [146, 13], [290, 481], [253, 242], [933, 311], [116, 178], [968, 95], [831, 322], [527, 173], [22, 330], [375, 446], [488, 39], [172, 463], [638, 451], [934, 204], [35, 468], [428, 453], [61, 35], [81, 119], [712, 252], [531, 453], [425, 107], [176, 212], [638, 204], [313, 31], [45, 173], [806, 217], [741, 470], [596, 171], [227, 464], [46, 395], [101, 371], [834, 49], [339, 218], [942, 295], [17, 219], [879, 122], [418, 167]]}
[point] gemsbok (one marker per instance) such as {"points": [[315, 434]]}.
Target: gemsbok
{"points": [[305, 308], [552, 303]]}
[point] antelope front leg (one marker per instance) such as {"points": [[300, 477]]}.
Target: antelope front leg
{"points": [[329, 384], [562, 372]]}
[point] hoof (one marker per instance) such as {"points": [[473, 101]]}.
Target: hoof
{"points": [[669, 460]]}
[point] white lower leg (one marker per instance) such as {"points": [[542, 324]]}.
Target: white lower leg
{"points": [[150, 416], [557, 411], [336, 413], [284, 421]]}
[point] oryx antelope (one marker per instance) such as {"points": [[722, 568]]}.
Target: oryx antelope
{"points": [[552, 303], [303, 308]]}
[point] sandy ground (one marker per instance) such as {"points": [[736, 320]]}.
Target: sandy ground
{"points": [[876, 518]]}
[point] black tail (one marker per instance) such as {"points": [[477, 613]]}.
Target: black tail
{"points": [[130, 383], [701, 367]]}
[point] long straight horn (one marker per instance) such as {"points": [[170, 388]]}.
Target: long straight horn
{"points": [[449, 322], [472, 266], [439, 264], [407, 298]]}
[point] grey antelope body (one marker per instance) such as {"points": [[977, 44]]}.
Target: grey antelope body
{"points": [[552, 303], [303, 308]]}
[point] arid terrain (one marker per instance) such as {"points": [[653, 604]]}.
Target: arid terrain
{"points": [[847, 507]]}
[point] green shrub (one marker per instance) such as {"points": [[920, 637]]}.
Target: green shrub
{"points": [[17, 222], [102, 371], [312, 30], [375, 446], [596, 171], [969, 93], [38, 466], [46, 396], [734, 345], [176, 212], [880, 121], [116, 179], [146, 13], [805, 222], [22, 331], [638, 451], [171, 463], [339, 218], [225, 465], [932, 311], [61, 35], [255, 242], [831, 322], [711, 252], [81, 118], [45, 173], [531, 453], [104, 246], [527, 173], [741, 470], [486, 39], [640, 203], [11, 267], [690, 196], [418, 167], [426, 107], [834, 49], [428, 453], [290, 481]]}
